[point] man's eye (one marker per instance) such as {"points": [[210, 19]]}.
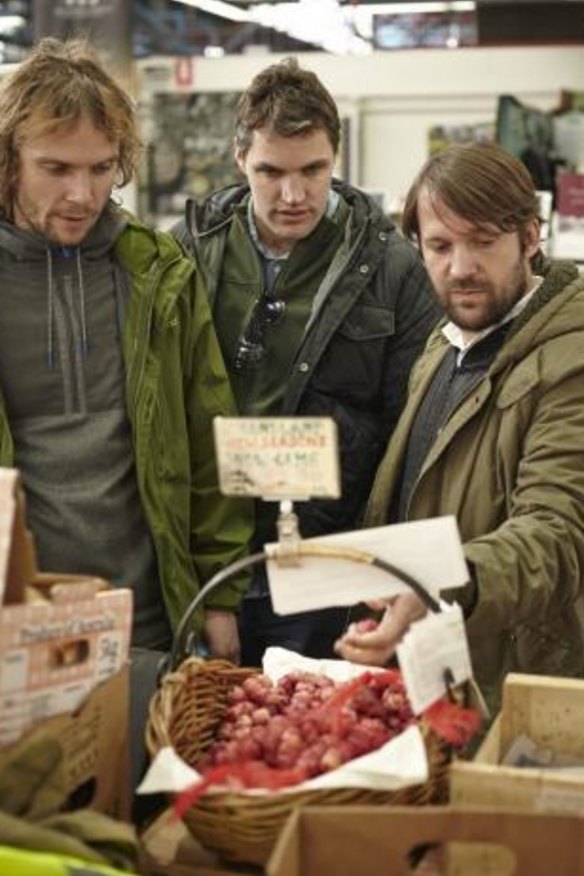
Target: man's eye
{"points": [[103, 169], [438, 248]]}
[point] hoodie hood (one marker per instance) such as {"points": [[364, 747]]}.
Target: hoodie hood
{"points": [[209, 216], [28, 246]]}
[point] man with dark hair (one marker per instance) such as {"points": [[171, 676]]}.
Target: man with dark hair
{"points": [[493, 431], [110, 368], [320, 305]]}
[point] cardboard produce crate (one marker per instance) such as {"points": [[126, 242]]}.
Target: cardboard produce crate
{"points": [[369, 841], [64, 643], [550, 711]]}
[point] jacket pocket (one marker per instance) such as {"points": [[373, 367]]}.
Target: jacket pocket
{"points": [[353, 365], [368, 323]]}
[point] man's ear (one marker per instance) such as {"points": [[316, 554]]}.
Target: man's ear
{"points": [[239, 156], [532, 237]]}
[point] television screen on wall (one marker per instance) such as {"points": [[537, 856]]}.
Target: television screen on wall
{"points": [[424, 29], [527, 132]]}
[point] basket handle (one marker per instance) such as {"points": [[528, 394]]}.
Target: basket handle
{"points": [[182, 637]]}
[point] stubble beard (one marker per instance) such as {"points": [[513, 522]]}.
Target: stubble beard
{"points": [[493, 309]]}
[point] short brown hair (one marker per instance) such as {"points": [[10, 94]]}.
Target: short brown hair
{"points": [[288, 99], [480, 182], [56, 84]]}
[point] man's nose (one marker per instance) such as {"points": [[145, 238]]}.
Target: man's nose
{"points": [[462, 262], [79, 188], [292, 190]]}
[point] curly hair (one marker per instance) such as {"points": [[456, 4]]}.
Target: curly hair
{"points": [[54, 86], [290, 100]]}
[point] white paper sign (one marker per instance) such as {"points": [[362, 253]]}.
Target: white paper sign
{"points": [[277, 457], [428, 550], [432, 646]]}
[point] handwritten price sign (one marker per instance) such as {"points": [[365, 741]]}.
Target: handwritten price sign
{"points": [[278, 457]]}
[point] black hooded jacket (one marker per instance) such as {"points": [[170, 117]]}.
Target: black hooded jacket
{"points": [[370, 320]]}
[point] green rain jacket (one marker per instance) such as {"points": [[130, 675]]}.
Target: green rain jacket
{"points": [[175, 385], [509, 464]]}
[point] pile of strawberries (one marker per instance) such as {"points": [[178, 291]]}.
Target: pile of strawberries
{"points": [[277, 735], [307, 722]]}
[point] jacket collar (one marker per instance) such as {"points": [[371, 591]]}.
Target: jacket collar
{"points": [[209, 216]]}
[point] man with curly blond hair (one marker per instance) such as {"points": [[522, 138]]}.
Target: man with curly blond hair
{"points": [[110, 369]]}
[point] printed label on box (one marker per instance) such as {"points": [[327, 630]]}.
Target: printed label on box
{"points": [[559, 800], [53, 656]]}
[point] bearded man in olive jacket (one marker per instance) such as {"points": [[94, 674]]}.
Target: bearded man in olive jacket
{"points": [[493, 431]]}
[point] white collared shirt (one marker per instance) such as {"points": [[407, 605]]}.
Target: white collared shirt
{"points": [[454, 334]]}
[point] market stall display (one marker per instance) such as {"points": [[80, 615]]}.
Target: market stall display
{"points": [[301, 732], [64, 642], [186, 714]]}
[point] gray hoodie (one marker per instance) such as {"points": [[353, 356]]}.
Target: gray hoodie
{"points": [[63, 380]]}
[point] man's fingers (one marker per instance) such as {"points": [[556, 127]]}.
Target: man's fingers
{"points": [[376, 647], [357, 654], [378, 604]]}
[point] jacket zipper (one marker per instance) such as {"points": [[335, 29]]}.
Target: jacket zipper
{"points": [[144, 322]]}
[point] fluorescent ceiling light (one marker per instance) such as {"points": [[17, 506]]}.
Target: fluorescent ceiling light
{"points": [[313, 21], [339, 29], [10, 23], [220, 8], [318, 22]]}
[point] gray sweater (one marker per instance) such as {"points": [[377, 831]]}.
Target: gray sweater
{"points": [[63, 380]]}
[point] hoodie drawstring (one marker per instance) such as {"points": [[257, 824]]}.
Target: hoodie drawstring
{"points": [[84, 345], [50, 347], [50, 308]]}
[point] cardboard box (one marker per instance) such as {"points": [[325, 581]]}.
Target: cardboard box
{"points": [[550, 711], [372, 841], [56, 651], [94, 742], [64, 644]]}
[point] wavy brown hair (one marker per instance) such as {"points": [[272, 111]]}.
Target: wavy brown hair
{"points": [[53, 87], [289, 100], [480, 182]]}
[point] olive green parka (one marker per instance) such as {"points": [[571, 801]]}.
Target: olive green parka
{"points": [[509, 464], [175, 385]]}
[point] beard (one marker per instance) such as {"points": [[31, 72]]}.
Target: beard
{"points": [[51, 228], [475, 305]]}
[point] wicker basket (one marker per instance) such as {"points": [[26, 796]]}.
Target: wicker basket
{"points": [[185, 713]]}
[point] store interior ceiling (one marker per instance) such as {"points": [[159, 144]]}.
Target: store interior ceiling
{"points": [[217, 27]]}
